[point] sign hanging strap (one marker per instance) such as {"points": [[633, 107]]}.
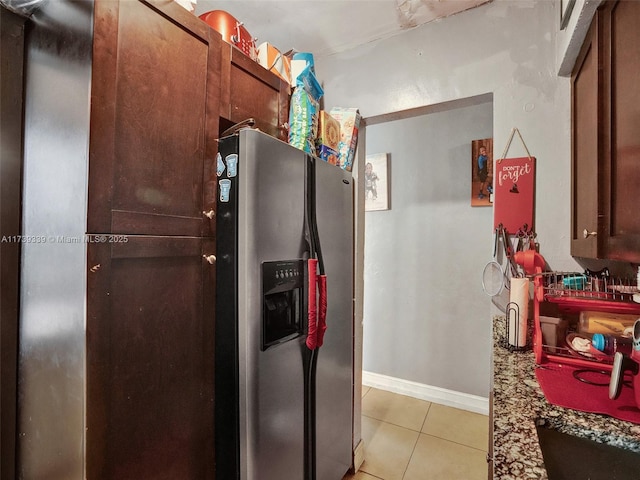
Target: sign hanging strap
{"points": [[506, 149]]}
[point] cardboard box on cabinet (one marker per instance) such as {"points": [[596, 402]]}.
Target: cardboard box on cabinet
{"points": [[328, 131], [273, 60], [328, 141], [328, 154], [349, 119]]}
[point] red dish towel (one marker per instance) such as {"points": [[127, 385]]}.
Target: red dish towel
{"points": [[561, 388]]}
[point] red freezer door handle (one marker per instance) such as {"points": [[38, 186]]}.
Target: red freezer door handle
{"points": [[312, 335], [322, 308]]}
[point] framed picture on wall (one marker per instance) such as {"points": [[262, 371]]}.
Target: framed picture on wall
{"points": [[482, 172], [376, 182]]}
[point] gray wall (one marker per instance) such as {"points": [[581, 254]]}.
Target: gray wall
{"points": [[421, 284], [508, 48]]}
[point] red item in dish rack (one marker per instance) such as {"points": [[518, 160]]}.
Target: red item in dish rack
{"points": [[533, 264], [610, 344]]}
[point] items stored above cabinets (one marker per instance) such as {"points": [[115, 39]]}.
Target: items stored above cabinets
{"points": [[248, 90], [280, 93], [605, 144], [233, 31]]}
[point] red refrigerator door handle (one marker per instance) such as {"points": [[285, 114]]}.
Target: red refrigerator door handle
{"points": [[322, 308], [312, 335]]}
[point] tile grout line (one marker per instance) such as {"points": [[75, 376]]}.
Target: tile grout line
{"points": [[456, 443], [417, 440], [391, 423], [421, 432], [411, 456], [426, 416]]}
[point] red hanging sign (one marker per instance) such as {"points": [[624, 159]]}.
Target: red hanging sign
{"points": [[514, 193]]}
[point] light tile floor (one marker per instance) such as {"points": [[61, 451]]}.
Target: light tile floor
{"points": [[410, 439]]}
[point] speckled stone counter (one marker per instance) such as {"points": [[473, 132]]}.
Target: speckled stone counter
{"points": [[519, 404]]}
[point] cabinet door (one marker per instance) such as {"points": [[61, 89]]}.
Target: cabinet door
{"points": [[248, 90], [150, 318], [622, 169], [586, 147], [154, 120]]}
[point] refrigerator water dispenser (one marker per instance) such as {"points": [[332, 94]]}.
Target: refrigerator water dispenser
{"points": [[282, 286]]}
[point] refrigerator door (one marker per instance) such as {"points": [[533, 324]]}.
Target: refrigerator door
{"points": [[270, 228], [334, 381]]}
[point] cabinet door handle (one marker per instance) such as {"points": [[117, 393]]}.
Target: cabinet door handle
{"points": [[586, 233], [210, 214], [210, 258]]}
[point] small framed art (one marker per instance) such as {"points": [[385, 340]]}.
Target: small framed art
{"points": [[376, 182], [482, 172]]}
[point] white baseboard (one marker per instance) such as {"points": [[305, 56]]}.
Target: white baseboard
{"points": [[450, 398]]}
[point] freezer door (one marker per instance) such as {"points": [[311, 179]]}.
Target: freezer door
{"points": [[334, 382], [270, 228]]}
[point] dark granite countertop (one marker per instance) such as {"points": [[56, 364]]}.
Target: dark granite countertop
{"points": [[519, 405]]}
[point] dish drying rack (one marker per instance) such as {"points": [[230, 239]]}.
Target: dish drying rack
{"points": [[596, 291], [574, 292]]}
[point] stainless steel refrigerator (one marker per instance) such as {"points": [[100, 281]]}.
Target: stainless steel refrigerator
{"points": [[284, 385]]}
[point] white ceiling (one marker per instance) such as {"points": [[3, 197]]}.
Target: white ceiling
{"points": [[323, 27]]}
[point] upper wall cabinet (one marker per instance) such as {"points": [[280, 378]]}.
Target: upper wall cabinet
{"points": [[154, 120], [248, 90], [585, 147], [606, 143]]}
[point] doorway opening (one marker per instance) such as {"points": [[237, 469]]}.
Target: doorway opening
{"points": [[424, 313]]}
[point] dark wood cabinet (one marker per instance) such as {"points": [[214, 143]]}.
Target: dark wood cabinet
{"points": [[585, 147], [605, 143], [248, 90], [126, 100], [154, 120], [151, 199], [622, 172], [150, 359]]}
